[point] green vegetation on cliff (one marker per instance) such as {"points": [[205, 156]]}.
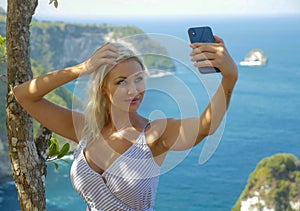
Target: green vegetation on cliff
{"points": [[275, 183], [57, 45]]}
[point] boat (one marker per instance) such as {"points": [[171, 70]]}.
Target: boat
{"points": [[255, 57]]}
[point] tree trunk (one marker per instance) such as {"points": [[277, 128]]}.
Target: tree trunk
{"points": [[27, 165]]}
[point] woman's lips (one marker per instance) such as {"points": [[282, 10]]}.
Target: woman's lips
{"points": [[133, 100]]}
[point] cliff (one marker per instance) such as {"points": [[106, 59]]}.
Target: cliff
{"points": [[274, 186], [57, 45]]}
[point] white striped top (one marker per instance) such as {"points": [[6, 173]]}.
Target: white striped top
{"points": [[129, 183]]}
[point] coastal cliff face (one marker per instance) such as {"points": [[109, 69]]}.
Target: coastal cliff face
{"points": [[58, 45], [273, 186]]}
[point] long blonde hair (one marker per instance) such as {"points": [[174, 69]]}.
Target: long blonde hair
{"points": [[97, 108]]}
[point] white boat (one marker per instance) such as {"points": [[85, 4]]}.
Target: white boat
{"points": [[255, 57], [158, 73]]}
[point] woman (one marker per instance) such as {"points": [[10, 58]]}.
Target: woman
{"points": [[117, 162]]}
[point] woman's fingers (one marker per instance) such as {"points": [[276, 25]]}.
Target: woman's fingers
{"points": [[218, 39], [108, 61], [205, 63], [213, 55], [106, 51], [203, 56], [206, 54], [107, 54], [204, 47]]}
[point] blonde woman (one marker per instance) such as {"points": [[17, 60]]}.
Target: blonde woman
{"points": [[117, 161]]}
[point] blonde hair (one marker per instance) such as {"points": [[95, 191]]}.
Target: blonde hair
{"points": [[97, 108]]}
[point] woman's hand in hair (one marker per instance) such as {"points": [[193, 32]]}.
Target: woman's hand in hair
{"points": [[107, 54]]}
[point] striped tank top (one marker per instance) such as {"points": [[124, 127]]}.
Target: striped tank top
{"points": [[129, 183]]}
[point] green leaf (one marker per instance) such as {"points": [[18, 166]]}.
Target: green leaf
{"points": [[54, 147], [2, 41], [64, 150], [55, 3], [56, 165], [56, 154]]}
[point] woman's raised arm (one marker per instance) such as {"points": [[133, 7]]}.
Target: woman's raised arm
{"points": [[30, 94], [182, 134]]}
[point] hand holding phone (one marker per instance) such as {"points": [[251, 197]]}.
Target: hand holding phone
{"points": [[203, 34]]}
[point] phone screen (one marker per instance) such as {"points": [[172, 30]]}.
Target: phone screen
{"points": [[203, 34]]}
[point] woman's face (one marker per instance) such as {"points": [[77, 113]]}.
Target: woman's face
{"points": [[125, 86]]}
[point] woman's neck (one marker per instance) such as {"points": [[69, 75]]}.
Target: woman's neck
{"points": [[122, 120]]}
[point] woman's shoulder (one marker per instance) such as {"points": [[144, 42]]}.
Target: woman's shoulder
{"points": [[158, 127], [80, 146], [162, 123]]}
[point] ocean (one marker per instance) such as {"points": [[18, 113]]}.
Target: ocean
{"points": [[263, 118]]}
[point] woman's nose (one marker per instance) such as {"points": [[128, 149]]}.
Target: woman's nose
{"points": [[132, 90]]}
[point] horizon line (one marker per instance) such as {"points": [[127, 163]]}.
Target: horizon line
{"points": [[173, 16]]}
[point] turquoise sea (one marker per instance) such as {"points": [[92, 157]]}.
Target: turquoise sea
{"points": [[263, 118]]}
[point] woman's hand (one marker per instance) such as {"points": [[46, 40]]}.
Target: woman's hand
{"points": [[104, 55], [214, 55]]}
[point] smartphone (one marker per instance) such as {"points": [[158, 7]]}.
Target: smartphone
{"points": [[203, 34]]}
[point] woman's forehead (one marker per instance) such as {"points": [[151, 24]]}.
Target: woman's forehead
{"points": [[126, 69]]}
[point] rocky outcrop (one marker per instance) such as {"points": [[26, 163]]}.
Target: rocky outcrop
{"points": [[273, 186]]}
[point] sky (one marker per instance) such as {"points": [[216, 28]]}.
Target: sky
{"points": [[88, 8]]}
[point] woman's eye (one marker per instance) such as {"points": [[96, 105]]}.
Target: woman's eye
{"points": [[138, 79], [122, 82]]}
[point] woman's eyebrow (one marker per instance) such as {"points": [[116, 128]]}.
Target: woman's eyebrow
{"points": [[139, 73], [120, 77], [135, 74]]}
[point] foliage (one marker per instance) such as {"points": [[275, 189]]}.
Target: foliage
{"points": [[157, 56], [162, 63], [2, 49], [55, 3], [56, 45], [277, 179], [57, 153], [3, 82]]}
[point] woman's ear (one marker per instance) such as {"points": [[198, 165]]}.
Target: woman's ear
{"points": [[103, 90]]}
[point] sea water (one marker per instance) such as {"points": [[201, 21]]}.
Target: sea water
{"points": [[263, 118]]}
